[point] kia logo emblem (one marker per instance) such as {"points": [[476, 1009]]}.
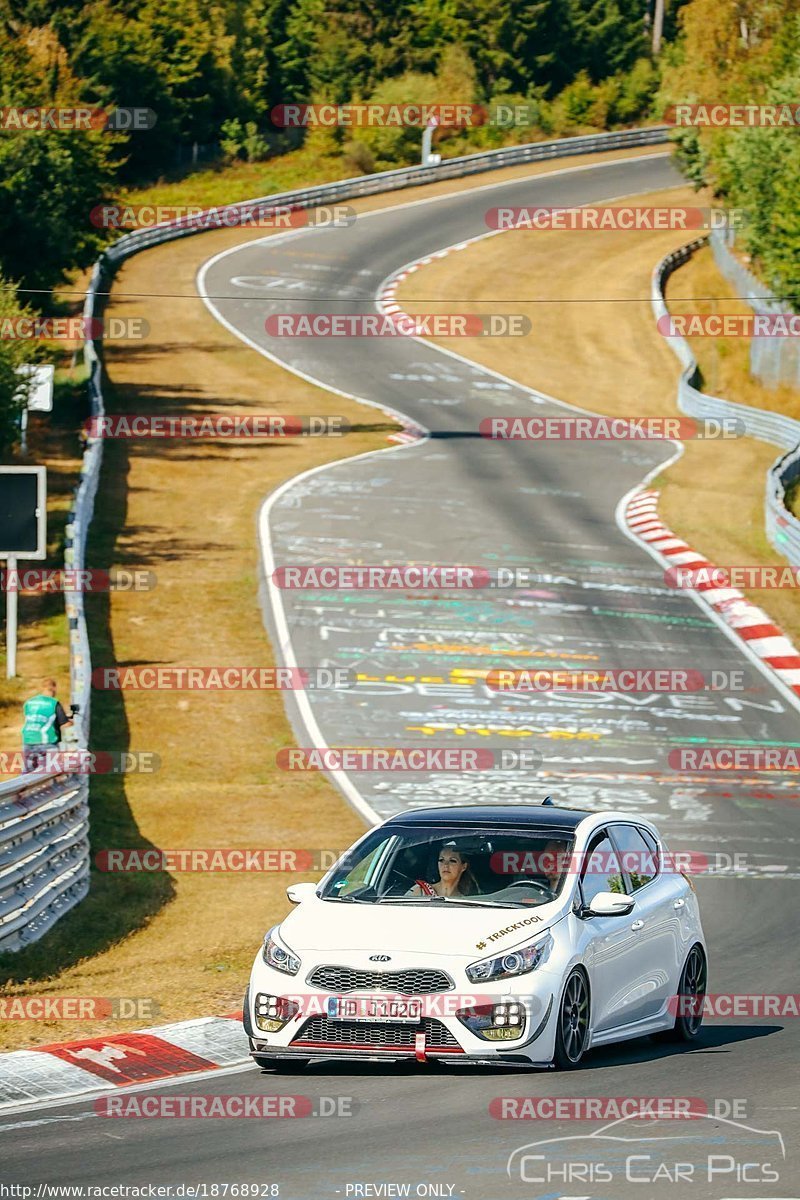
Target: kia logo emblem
{"points": [[380, 958]]}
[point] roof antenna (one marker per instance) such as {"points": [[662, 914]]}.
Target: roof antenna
{"points": [[549, 801]]}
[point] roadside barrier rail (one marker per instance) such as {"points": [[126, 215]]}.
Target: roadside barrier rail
{"points": [[782, 527]]}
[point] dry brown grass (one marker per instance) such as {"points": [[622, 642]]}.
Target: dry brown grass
{"points": [[594, 343], [188, 513]]}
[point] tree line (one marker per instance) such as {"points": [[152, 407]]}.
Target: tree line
{"points": [[745, 52]]}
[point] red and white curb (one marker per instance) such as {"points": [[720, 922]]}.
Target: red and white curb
{"points": [[386, 303], [387, 297], [750, 623], [409, 433], [104, 1064]]}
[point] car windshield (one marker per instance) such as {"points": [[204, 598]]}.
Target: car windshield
{"points": [[459, 865]]}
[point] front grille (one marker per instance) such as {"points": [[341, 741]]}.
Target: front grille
{"points": [[413, 982], [320, 1030]]}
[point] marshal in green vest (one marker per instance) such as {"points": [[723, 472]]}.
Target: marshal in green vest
{"points": [[40, 721]]}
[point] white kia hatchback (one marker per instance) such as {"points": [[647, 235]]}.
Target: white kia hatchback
{"points": [[518, 934]]}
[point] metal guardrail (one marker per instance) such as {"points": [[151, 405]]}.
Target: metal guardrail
{"points": [[782, 527], [44, 818], [387, 181], [44, 853], [44, 848], [773, 360]]}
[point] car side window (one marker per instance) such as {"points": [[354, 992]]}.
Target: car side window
{"points": [[601, 871], [639, 859]]}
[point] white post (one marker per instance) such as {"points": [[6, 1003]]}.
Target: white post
{"points": [[658, 27], [11, 618], [427, 139]]}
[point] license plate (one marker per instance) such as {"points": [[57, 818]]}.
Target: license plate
{"points": [[369, 1008]]}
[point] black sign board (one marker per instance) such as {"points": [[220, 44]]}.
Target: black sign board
{"points": [[23, 512]]}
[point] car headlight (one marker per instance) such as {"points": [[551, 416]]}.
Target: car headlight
{"points": [[276, 955], [516, 962]]}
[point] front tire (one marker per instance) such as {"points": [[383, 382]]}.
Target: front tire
{"points": [[572, 1030], [691, 994]]}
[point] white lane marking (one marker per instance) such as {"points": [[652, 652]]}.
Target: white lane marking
{"points": [[46, 1121]]}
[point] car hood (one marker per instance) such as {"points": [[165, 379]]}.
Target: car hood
{"points": [[333, 926]]}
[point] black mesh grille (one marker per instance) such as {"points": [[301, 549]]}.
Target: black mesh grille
{"points": [[376, 1037], [408, 983]]}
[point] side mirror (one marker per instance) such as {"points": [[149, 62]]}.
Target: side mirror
{"points": [[298, 892], [609, 904]]}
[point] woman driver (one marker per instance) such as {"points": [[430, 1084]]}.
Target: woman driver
{"points": [[455, 876]]}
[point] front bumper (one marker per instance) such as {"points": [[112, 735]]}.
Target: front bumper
{"points": [[440, 1035]]}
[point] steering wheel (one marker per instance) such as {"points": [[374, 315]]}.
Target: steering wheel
{"points": [[395, 885], [531, 883]]}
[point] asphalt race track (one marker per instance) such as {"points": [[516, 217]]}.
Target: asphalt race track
{"points": [[593, 597]]}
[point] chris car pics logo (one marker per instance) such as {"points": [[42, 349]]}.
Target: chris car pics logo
{"points": [[705, 1150]]}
